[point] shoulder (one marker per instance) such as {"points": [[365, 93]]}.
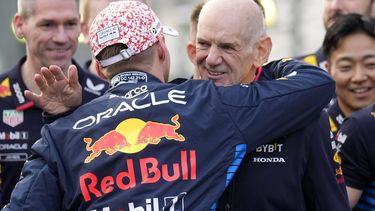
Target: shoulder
{"points": [[364, 118]]}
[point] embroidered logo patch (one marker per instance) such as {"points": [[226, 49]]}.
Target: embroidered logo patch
{"points": [[12, 117]]}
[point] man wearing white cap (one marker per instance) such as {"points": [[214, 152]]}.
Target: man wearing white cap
{"points": [[146, 145]]}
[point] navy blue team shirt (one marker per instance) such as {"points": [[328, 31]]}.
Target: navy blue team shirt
{"points": [[21, 123], [300, 171], [357, 135], [336, 116], [145, 145]]}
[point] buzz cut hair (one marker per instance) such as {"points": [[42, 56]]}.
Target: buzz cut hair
{"points": [[26, 8]]}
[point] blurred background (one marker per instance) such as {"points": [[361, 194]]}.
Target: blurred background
{"points": [[295, 26]]}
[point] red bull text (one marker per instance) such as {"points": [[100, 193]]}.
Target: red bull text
{"points": [[152, 171]]}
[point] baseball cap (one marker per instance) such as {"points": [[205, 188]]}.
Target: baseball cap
{"points": [[126, 22]]}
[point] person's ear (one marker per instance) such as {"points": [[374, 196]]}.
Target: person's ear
{"points": [[191, 52], [99, 70], [327, 66], [18, 22], [162, 49], [262, 51]]}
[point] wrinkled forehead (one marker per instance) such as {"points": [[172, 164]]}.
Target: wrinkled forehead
{"points": [[241, 18]]}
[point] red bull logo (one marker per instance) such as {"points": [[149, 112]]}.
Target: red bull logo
{"points": [[132, 136], [152, 132], [110, 143], [4, 88]]}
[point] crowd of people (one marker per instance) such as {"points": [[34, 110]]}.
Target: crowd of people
{"points": [[243, 133]]}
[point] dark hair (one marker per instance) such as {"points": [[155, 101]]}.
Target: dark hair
{"points": [[345, 26]]}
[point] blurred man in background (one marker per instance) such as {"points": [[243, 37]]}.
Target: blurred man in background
{"points": [[350, 48], [50, 29], [332, 10]]}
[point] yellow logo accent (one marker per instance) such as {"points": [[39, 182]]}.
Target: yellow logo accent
{"points": [[333, 125], [311, 60], [4, 88]]}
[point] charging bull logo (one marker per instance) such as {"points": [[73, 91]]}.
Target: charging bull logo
{"points": [[4, 88], [152, 132], [131, 136], [111, 142]]}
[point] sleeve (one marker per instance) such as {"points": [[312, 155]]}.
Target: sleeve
{"points": [[48, 118], [356, 162], [323, 184], [275, 108], [38, 188]]}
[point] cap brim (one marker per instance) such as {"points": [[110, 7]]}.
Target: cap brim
{"points": [[170, 31]]}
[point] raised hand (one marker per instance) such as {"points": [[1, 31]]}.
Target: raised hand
{"points": [[58, 92]]}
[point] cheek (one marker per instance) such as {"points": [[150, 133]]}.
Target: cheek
{"points": [[74, 35], [341, 80], [371, 77], [199, 56]]}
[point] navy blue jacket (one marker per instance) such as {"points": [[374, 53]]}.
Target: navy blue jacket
{"points": [[357, 135], [145, 145], [22, 121], [295, 172]]}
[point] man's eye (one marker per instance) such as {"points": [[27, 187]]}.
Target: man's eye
{"points": [[345, 68], [202, 45]]}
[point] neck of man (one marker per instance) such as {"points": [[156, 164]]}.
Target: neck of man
{"points": [[344, 109], [249, 76]]}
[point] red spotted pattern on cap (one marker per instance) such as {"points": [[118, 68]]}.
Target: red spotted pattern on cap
{"points": [[128, 22]]}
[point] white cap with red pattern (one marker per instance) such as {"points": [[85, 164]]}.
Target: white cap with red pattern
{"points": [[127, 22]]}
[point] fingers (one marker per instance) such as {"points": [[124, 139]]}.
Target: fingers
{"points": [[40, 82], [73, 76], [32, 97], [47, 75], [57, 72]]}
